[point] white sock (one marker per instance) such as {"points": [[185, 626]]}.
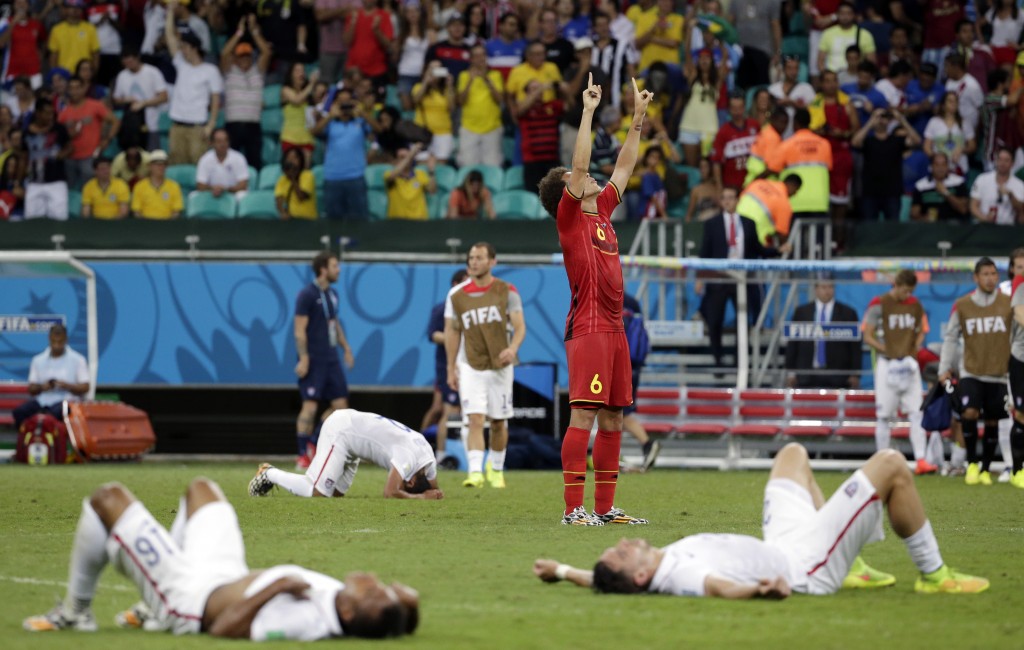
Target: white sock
{"points": [[1004, 441], [178, 525], [439, 456], [297, 484], [497, 459], [88, 557], [935, 454], [882, 434], [958, 456], [924, 549], [917, 437], [476, 460]]}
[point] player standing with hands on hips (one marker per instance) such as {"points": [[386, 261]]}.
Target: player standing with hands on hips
{"points": [[600, 375]]}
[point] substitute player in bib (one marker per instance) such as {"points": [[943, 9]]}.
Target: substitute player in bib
{"points": [[600, 373], [1016, 383], [194, 578], [809, 543], [477, 317], [983, 318], [347, 437], [903, 324]]}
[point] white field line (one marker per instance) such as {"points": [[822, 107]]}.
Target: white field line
{"points": [[55, 583]]}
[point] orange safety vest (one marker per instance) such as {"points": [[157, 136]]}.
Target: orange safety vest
{"points": [[810, 157]]}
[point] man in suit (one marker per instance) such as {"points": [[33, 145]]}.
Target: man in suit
{"points": [[831, 364], [728, 235]]}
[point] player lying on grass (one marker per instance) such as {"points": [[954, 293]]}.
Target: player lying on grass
{"points": [[346, 437], [194, 578], [809, 544]]}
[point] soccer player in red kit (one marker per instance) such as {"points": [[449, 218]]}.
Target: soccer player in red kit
{"points": [[600, 375]]}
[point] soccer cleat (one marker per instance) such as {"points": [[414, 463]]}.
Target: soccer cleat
{"points": [[580, 517], [474, 480], [651, 450], [862, 576], [135, 618], [948, 581], [1006, 475], [973, 475], [58, 619], [617, 516], [985, 478], [260, 485], [924, 467], [496, 478], [1018, 479]]}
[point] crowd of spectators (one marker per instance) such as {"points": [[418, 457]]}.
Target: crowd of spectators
{"points": [[348, 109]]}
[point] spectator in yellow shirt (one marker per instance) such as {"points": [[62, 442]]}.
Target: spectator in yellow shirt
{"points": [[408, 186], [480, 92], [296, 189], [105, 197], [434, 99], [534, 67], [659, 34], [157, 197], [73, 39]]}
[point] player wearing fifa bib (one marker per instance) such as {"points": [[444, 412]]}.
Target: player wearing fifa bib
{"points": [[901, 320], [347, 437], [600, 373], [194, 579]]}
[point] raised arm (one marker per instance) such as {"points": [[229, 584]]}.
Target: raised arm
{"points": [[171, 29], [581, 154], [626, 162], [553, 571]]}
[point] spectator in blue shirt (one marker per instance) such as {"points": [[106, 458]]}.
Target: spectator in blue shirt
{"points": [[924, 94], [863, 94], [344, 158], [506, 50]]}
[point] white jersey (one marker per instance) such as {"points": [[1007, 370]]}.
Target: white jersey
{"points": [[70, 368], [300, 619], [741, 559], [381, 441]]}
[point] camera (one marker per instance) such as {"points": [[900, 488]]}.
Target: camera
{"points": [[440, 72]]}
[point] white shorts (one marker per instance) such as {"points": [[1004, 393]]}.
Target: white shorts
{"points": [[821, 544], [331, 470], [897, 395], [174, 580], [486, 391]]}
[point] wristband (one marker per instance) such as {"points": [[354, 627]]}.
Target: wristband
{"points": [[561, 571]]}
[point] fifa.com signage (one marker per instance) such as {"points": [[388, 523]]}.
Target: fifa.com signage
{"points": [[811, 331], [25, 324]]}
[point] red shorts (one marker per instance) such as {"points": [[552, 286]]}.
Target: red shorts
{"points": [[600, 373], [841, 176], [285, 146]]}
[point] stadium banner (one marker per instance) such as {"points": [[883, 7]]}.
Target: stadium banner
{"points": [[230, 323], [811, 331]]}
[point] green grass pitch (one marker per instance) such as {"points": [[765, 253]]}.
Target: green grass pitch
{"points": [[470, 556]]}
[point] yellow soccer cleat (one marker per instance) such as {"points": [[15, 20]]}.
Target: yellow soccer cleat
{"points": [[1017, 480], [495, 478], [973, 475], [862, 576], [985, 478], [474, 480], [948, 581]]}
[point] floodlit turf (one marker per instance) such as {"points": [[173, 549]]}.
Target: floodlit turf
{"points": [[470, 557]]}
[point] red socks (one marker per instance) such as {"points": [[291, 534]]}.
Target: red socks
{"points": [[574, 466], [606, 469]]}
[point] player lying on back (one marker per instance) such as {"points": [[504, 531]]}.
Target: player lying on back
{"points": [[346, 437], [809, 544]]}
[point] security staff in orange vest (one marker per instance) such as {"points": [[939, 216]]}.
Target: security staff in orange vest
{"points": [[767, 204]]}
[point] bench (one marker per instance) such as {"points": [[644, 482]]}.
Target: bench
{"points": [[12, 394]]}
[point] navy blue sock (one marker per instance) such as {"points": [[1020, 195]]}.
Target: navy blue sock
{"points": [[303, 441]]}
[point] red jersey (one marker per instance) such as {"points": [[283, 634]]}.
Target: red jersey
{"points": [[940, 19], [730, 150], [365, 52], [538, 132], [23, 50], [590, 250]]}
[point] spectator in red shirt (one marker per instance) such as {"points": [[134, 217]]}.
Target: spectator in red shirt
{"points": [[731, 147], [84, 119], [23, 38], [370, 32], [538, 128], [940, 21]]}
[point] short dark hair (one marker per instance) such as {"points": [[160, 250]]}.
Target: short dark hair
{"points": [[853, 48], [962, 22], [868, 66], [905, 278], [220, 129], [550, 189], [492, 252], [99, 160], [900, 68], [794, 181], [732, 188], [459, 276], [58, 328], [801, 118], [75, 77], [377, 623], [509, 14], [1014, 254], [998, 77], [982, 263], [608, 581], [320, 262], [1000, 149], [957, 60], [418, 484]]}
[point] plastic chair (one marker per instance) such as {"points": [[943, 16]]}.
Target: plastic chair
{"points": [[378, 202], [374, 175], [184, 175], [437, 204], [494, 177], [272, 96], [517, 204], [74, 204], [204, 205], [260, 204], [163, 122], [271, 120], [268, 176], [513, 178], [446, 177], [254, 177], [318, 178], [271, 150]]}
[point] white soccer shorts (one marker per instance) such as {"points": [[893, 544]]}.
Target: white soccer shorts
{"points": [[897, 387], [331, 470], [486, 391]]}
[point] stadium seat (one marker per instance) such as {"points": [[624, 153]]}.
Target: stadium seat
{"points": [[509, 149], [378, 202], [391, 97], [74, 204], [272, 96], [271, 120], [513, 178], [692, 176], [494, 177], [447, 178], [374, 175], [184, 175], [271, 150], [318, 177], [254, 177], [259, 204], [905, 202], [163, 122], [437, 204], [268, 176], [203, 205], [517, 204]]}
